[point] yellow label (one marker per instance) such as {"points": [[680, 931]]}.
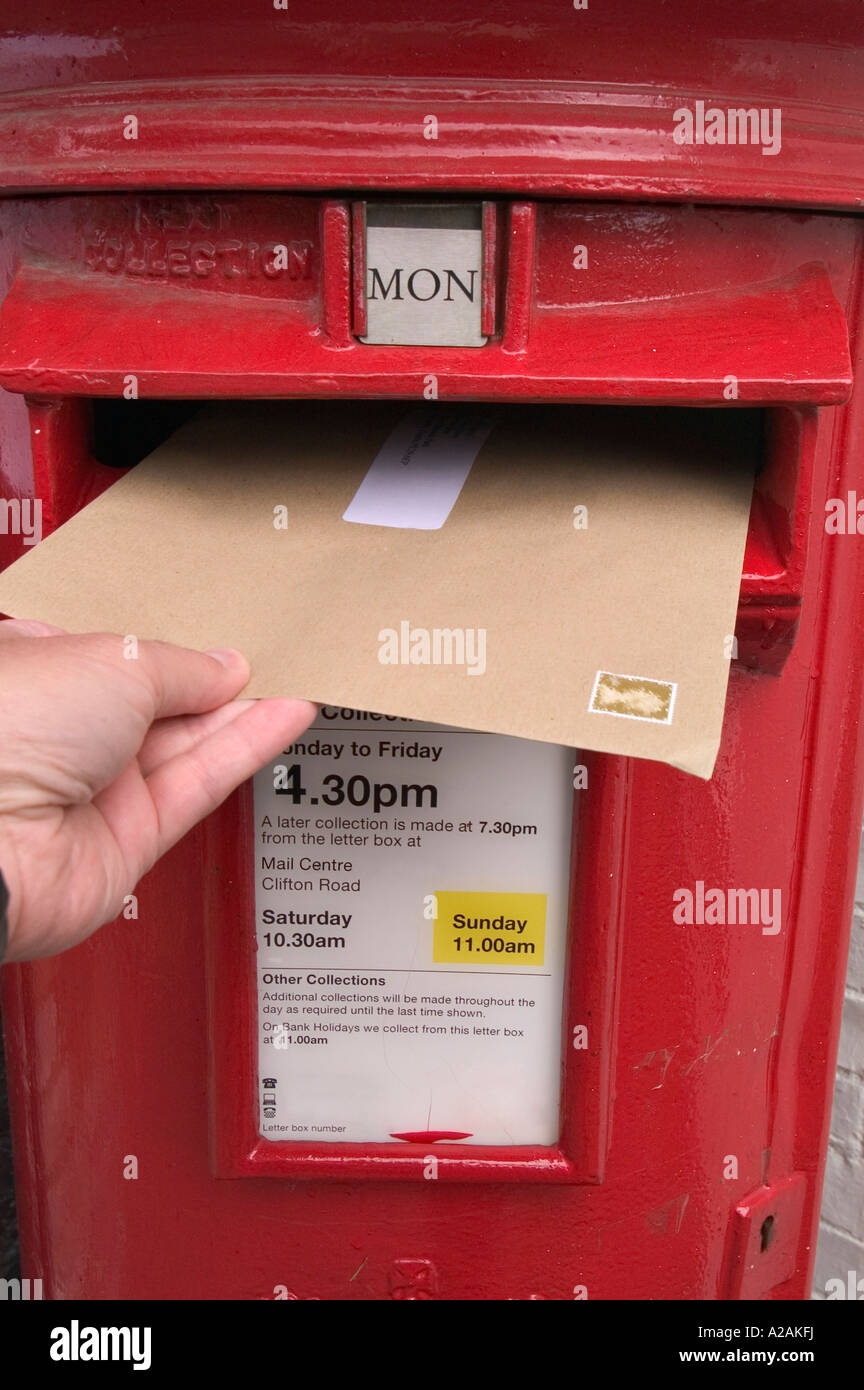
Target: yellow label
{"points": [[489, 928]]}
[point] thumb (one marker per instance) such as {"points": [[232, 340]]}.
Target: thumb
{"points": [[191, 785]]}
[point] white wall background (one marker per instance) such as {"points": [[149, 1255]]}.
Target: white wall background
{"points": [[841, 1231]]}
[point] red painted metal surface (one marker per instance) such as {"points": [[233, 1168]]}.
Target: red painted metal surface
{"points": [[186, 295], [707, 1042], [557, 101]]}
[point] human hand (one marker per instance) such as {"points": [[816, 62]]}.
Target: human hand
{"points": [[106, 762]]}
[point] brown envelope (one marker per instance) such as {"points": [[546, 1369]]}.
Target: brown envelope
{"points": [[515, 616]]}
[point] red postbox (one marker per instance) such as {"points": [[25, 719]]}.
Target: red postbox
{"points": [[668, 220]]}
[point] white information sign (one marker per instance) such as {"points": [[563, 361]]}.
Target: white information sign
{"points": [[411, 887]]}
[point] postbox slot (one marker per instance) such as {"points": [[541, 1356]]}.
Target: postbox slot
{"points": [[125, 432], [79, 443]]}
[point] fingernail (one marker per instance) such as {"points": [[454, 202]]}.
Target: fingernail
{"points": [[227, 656]]}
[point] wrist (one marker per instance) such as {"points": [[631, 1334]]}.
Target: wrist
{"points": [[4, 916], [10, 897]]}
